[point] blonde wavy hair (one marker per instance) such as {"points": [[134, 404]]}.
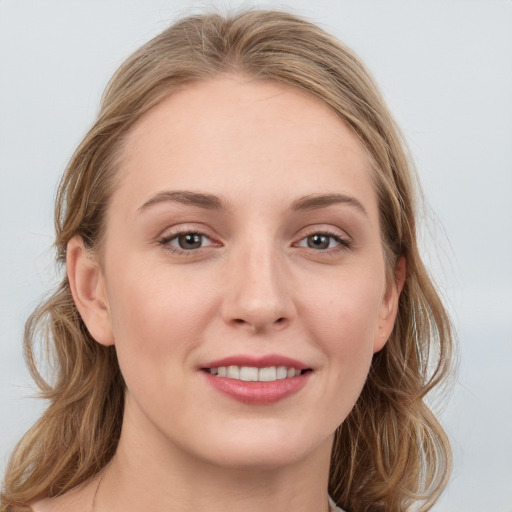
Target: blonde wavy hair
{"points": [[391, 452]]}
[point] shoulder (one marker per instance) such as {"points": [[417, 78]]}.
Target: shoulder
{"points": [[78, 499]]}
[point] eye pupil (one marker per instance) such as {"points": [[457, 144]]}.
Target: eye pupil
{"points": [[318, 242], [190, 241]]}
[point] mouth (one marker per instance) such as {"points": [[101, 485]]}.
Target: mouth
{"points": [[257, 380], [255, 374]]}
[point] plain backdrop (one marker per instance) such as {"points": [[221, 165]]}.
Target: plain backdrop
{"points": [[445, 68]]}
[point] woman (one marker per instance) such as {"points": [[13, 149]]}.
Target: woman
{"points": [[245, 321]]}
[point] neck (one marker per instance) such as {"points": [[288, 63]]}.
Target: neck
{"points": [[153, 474]]}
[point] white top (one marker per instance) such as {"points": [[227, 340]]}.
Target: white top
{"points": [[333, 507]]}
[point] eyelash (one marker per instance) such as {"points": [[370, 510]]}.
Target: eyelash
{"points": [[166, 242], [343, 244]]}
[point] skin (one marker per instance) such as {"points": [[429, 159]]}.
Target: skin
{"points": [[254, 287]]}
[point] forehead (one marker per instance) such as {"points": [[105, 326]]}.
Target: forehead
{"points": [[234, 135]]}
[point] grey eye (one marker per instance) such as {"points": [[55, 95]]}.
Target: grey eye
{"points": [[320, 241], [189, 241]]}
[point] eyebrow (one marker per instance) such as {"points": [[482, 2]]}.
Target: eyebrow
{"points": [[208, 201], [213, 202], [317, 201]]}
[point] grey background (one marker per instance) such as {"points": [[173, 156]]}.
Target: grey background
{"points": [[445, 68]]}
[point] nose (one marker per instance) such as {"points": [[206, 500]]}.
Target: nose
{"points": [[258, 289]]}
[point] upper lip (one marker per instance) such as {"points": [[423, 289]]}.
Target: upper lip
{"points": [[257, 362]]}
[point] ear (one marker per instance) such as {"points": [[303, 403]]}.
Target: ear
{"points": [[389, 305], [88, 289]]}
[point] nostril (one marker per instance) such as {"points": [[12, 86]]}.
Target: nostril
{"points": [[281, 321]]}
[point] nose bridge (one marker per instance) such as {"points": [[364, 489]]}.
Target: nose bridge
{"points": [[258, 294]]}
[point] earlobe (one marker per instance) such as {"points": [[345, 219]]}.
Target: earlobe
{"points": [[389, 305], [88, 289]]}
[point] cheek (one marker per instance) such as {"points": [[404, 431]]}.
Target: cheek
{"points": [[157, 320], [346, 337], [346, 308], [343, 320]]}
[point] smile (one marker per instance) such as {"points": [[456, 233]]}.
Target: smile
{"points": [[254, 374]]}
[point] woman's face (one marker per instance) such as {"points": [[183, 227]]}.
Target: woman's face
{"points": [[243, 278]]}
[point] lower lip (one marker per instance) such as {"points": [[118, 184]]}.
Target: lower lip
{"points": [[258, 393]]}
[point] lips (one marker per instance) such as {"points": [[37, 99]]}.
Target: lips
{"points": [[257, 380], [266, 361]]}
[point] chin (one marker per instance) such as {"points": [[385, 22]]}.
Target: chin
{"points": [[258, 459], [266, 448]]}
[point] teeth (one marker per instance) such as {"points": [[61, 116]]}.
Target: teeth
{"points": [[253, 374], [267, 374], [233, 372], [282, 372], [249, 374]]}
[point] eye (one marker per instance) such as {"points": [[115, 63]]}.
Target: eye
{"points": [[322, 241], [187, 241]]}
